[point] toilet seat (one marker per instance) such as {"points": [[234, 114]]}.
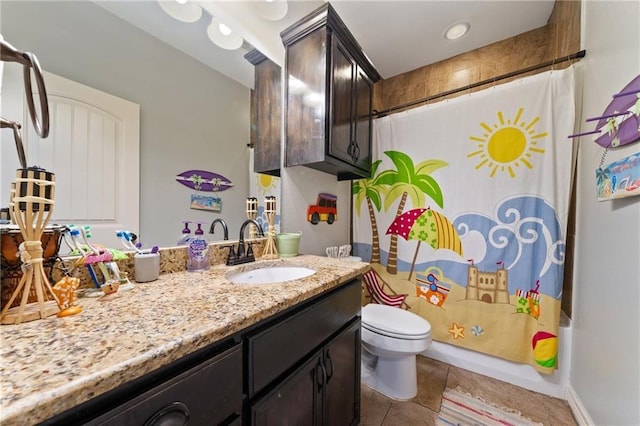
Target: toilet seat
{"points": [[394, 322]]}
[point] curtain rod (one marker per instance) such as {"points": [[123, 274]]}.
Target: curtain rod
{"points": [[576, 55]]}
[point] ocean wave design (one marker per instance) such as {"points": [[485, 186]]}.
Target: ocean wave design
{"points": [[525, 235]]}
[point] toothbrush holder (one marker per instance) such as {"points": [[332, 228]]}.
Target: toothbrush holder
{"points": [[146, 267]]}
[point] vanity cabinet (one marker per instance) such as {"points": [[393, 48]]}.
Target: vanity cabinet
{"points": [[313, 377], [329, 92], [208, 394], [266, 113], [298, 367]]}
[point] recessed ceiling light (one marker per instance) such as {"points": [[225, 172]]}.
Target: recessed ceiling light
{"points": [[272, 10], [222, 35], [457, 30], [185, 12], [224, 29]]}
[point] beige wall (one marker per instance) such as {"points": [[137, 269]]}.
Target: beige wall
{"points": [[605, 372]]}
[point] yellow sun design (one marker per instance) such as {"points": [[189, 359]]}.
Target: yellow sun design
{"points": [[508, 144], [266, 183]]}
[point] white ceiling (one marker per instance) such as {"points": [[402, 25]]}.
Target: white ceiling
{"points": [[398, 36]]}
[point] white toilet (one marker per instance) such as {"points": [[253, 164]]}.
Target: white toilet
{"points": [[391, 338]]}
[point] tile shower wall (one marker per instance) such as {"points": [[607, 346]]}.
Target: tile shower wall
{"points": [[560, 37]]}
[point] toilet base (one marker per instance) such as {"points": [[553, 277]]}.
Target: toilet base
{"points": [[393, 377]]}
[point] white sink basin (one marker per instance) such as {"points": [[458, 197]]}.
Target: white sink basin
{"points": [[276, 274]]}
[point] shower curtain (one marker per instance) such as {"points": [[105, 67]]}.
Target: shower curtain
{"points": [[466, 213]]}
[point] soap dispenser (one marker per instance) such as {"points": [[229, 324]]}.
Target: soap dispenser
{"points": [[198, 251], [186, 234]]}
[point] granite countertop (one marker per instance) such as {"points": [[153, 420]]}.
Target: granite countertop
{"points": [[51, 365]]}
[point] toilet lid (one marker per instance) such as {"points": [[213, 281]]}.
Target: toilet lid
{"points": [[394, 322]]}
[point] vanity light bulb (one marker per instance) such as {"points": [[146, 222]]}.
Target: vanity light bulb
{"points": [[181, 1], [224, 29]]}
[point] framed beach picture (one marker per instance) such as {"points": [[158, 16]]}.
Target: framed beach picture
{"points": [[619, 179], [205, 202]]}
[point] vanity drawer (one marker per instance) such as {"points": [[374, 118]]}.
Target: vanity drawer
{"points": [[278, 348], [207, 394]]}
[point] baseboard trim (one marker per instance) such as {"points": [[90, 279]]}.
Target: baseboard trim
{"points": [[577, 407]]}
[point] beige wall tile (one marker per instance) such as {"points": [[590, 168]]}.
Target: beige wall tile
{"points": [[560, 37]]}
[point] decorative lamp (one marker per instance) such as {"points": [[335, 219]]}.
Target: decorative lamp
{"points": [[270, 250], [252, 213], [31, 207]]}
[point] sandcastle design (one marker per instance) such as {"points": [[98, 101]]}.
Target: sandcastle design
{"points": [[489, 287]]}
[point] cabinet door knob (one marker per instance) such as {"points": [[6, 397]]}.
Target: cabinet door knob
{"points": [[174, 414]]}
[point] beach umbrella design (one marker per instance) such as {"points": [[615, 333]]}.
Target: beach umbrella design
{"points": [[428, 226]]}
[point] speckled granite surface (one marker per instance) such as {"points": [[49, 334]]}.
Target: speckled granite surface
{"points": [[51, 365]]}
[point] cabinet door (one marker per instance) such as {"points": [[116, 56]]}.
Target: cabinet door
{"points": [[342, 366], [342, 106], [363, 104], [306, 99], [296, 401], [267, 113]]}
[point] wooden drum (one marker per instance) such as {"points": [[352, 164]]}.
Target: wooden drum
{"points": [[11, 238]]}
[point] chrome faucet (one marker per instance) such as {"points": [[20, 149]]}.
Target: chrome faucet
{"points": [[224, 228]]}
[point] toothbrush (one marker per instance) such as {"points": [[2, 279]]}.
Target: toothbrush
{"points": [[71, 241], [127, 241], [138, 247], [125, 237], [101, 257]]}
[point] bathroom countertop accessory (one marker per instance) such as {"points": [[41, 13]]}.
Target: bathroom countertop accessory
{"points": [[185, 237], [31, 207], [146, 267], [288, 243], [270, 250], [198, 252], [252, 213]]}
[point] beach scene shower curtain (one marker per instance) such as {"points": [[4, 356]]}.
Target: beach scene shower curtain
{"points": [[466, 214]]}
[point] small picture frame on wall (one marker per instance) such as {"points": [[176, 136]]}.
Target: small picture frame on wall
{"points": [[205, 202]]}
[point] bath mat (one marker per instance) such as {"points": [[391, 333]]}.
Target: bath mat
{"points": [[461, 409]]}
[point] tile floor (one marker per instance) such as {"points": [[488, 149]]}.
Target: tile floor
{"points": [[435, 376]]}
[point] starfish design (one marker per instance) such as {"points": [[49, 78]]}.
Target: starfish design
{"points": [[456, 331]]}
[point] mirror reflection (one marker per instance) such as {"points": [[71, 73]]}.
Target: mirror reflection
{"points": [[191, 117]]}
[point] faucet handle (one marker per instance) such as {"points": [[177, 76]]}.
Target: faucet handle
{"points": [[232, 254], [249, 250]]}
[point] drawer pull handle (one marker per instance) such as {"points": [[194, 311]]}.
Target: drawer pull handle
{"points": [[329, 369], [321, 377], [174, 414]]}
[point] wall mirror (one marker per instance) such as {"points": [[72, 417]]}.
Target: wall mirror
{"points": [[192, 117]]}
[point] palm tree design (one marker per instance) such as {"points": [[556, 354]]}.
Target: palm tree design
{"points": [[370, 190], [408, 180], [602, 176], [197, 181]]}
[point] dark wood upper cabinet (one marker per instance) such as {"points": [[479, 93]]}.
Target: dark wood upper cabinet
{"points": [[266, 113], [329, 92]]}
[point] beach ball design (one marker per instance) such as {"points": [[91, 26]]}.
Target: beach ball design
{"points": [[545, 349]]}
